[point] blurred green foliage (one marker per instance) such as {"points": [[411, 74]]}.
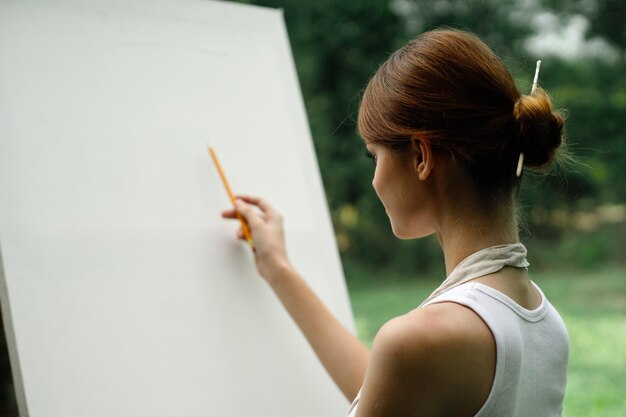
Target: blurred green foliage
{"points": [[337, 45]]}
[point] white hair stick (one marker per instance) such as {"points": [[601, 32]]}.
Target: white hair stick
{"points": [[532, 90], [520, 161]]}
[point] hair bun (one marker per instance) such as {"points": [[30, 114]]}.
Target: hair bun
{"points": [[540, 129]]}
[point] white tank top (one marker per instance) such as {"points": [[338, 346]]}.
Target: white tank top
{"points": [[532, 349]]}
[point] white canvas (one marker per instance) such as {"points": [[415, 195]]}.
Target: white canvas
{"points": [[124, 293]]}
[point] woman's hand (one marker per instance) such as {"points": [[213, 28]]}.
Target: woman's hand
{"points": [[266, 227]]}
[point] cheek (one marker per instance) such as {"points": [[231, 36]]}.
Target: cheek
{"points": [[405, 207], [402, 194], [404, 202]]}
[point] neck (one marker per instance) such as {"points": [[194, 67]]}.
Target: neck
{"points": [[462, 232]]}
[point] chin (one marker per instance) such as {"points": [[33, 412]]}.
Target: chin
{"points": [[402, 233], [406, 233]]}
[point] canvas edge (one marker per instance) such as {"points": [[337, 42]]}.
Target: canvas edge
{"points": [[9, 332]]}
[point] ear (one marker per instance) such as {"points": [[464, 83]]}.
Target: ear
{"points": [[424, 159]]}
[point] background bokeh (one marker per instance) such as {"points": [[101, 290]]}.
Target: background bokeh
{"points": [[574, 220], [574, 217]]}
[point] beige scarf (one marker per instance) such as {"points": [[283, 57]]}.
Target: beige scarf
{"points": [[481, 263]]}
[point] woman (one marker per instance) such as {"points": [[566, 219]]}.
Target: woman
{"points": [[446, 127]]}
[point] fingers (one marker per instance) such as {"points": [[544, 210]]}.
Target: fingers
{"points": [[234, 214], [229, 214], [259, 202], [245, 207], [248, 198], [248, 213]]}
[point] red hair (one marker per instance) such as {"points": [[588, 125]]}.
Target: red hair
{"points": [[449, 88]]}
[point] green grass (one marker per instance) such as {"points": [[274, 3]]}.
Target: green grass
{"points": [[593, 306]]}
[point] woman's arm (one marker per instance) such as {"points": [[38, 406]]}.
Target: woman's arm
{"points": [[342, 354], [434, 361]]}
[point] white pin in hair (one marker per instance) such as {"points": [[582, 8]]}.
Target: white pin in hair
{"points": [[520, 161], [536, 79]]}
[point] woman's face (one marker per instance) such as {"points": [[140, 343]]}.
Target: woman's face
{"points": [[403, 194]]}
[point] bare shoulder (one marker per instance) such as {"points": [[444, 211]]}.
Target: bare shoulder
{"points": [[434, 361], [449, 324]]}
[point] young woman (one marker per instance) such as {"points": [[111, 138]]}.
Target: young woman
{"points": [[446, 126]]}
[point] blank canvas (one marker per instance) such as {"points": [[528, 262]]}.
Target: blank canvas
{"points": [[124, 293]]}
